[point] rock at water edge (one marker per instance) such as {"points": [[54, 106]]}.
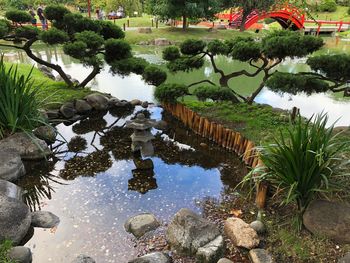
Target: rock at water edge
{"points": [[211, 252], [260, 256], [44, 219], [20, 254], [141, 224], [240, 233], [11, 166], [156, 257]]}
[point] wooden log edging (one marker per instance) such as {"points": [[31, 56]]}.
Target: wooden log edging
{"points": [[231, 140]]}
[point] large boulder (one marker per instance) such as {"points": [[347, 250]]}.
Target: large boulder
{"points": [[211, 252], [83, 259], [345, 259], [15, 219], [44, 219], [28, 147], [141, 224], [329, 219], [156, 257], [260, 256], [46, 133], [68, 110], [188, 231], [81, 106], [97, 101], [20, 255], [162, 42], [10, 190], [240, 233], [11, 166]]}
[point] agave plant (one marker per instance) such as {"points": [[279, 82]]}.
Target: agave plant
{"points": [[306, 162], [19, 108]]}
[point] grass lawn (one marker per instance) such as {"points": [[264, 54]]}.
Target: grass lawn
{"points": [[178, 35], [340, 15], [144, 21], [52, 93]]}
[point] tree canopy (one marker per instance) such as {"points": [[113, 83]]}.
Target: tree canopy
{"points": [[262, 55], [90, 41]]}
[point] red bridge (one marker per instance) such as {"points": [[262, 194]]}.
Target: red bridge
{"points": [[288, 16]]}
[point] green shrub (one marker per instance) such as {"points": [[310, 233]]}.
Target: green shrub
{"points": [[55, 12], [171, 53], [154, 75], [54, 36], [117, 49], [192, 46], [27, 32], [18, 16], [19, 109], [214, 93], [305, 163], [328, 6], [170, 92], [5, 27]]}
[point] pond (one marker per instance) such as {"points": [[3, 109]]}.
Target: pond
{"points": [[95, 189], [132, 87]]}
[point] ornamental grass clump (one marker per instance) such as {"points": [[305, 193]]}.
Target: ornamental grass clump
{"points": [[19, 108], [304, 163]]}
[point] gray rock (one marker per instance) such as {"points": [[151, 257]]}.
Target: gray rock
{"points": [[121, 104], [81, 106], [112, 101], [46, 133], [156, 257], [20, 255], [144, 30], [141, 224], [329, 219], [258, 226], [211, 252], [49, 75], [135, 102], [145, 104], [43, 114], [59, 78], [53, 114], [162, 42], [11, 166], [225, 260], [75, 81], [44, 219], [345, 259], [143, 43], [28, 147], [97, 101], [260, 256], [68, 110], [83, 259], [44, 69], [10, 190], [188, 231], [15, 219], [240, 233]]}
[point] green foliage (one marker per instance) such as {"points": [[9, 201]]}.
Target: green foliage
{"points": [[130, 6], [92, 40], [5, 27], [19, 108], [116, 49], [18, 16], [125, 66], [154, 75], [303, 164], [349, 11], [332, 66], [109, 30], [292, 83], [218, 47], [283, 44], [192, 46], [214, 93], [75, 23], [54, 36], [185, 64], [27, 32], [328, 6], [170, 92], [171, 53], [55, 12], [5, 247], [75, 49], [245, 49]]}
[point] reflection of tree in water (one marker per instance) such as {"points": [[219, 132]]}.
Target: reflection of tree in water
{"points": [[93, 123], [121, 112], [89, 165], [38, 183], [77, 144]]}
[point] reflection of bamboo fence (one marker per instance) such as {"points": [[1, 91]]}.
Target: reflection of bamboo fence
{"points": [[226, 138]]}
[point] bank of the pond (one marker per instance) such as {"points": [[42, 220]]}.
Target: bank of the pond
{"points": [[51, 93]]}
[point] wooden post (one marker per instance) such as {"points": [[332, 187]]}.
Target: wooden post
{"points": [[157, 23], [152, 23], [124, 27], [261, 191], [128, 21]]}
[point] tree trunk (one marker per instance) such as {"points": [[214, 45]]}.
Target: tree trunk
{"points": [[91, 76], [184, 22], [224, 83], [245, 14]]}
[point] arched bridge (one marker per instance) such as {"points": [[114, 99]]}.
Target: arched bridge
{"points": [[288, 16]]}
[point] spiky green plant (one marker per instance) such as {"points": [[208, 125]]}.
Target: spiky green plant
{"points": [[19, 108], [306, 162], [5, 247]]}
